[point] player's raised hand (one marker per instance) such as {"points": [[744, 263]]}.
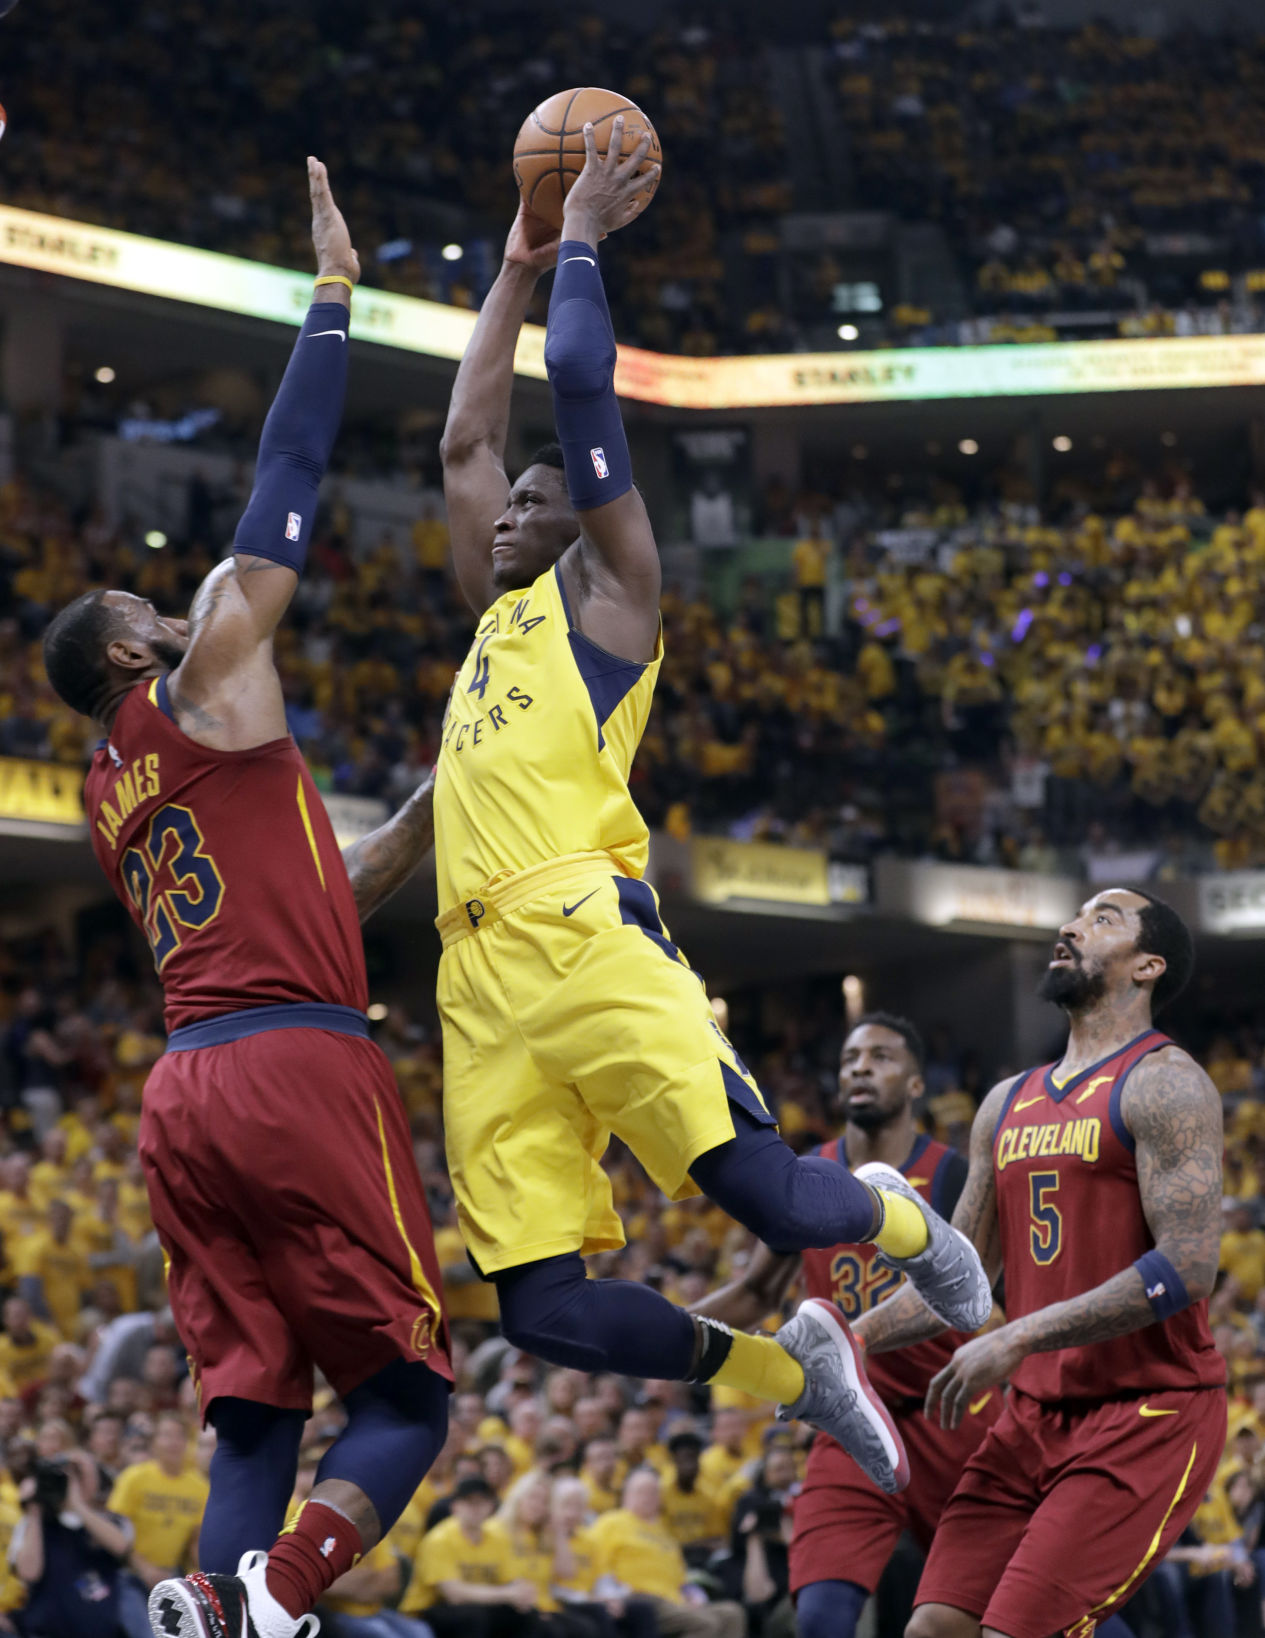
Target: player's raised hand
{"points": [[532, 242], [604, 195], [330, 238]]}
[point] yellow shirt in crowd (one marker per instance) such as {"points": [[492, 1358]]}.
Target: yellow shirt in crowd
{"points": [[23, 1363], [379, 1557], [447, 1554], [166, 1513], [1243, 1258], [62, 1270], [584, 1553], [643, 1556], [692, 1517]]}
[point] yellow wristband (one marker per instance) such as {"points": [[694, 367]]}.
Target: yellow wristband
{"points": [[336, 278]]}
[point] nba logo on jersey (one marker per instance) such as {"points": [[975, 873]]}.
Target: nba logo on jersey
{"points": [[293, 524], [598, 457]]}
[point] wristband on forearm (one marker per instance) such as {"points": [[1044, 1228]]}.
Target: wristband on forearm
{"points": [[1165, 1289], [297, 440], [580, 358]]}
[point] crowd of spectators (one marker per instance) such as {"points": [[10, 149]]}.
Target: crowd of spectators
{"points": [[996, 687], [1114, 180], [566, 1505], [1076, 172], [415, 110]]}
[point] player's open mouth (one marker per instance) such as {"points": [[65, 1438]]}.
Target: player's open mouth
{"points": [[1062, 957]]}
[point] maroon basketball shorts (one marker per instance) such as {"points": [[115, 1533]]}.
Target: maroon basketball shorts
{"points": [[285, 1194], [1065, 1510], [846, 1529]]}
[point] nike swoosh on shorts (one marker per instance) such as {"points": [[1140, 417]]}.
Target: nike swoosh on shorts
{"points": [[339, 333]]}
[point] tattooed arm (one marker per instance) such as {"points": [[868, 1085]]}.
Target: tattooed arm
{"points": [[1174, 1113], [904, 1318], [381, 862]]}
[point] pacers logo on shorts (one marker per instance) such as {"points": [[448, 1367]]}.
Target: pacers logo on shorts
{"points": [[598, 457]]}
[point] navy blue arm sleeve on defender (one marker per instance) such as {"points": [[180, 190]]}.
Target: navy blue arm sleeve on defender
{"points": [[298, 436], [580, 361]]}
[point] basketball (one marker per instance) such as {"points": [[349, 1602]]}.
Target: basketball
{"points": [[549, 150]]}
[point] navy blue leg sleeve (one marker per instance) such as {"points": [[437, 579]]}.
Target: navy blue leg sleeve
{"points": [[829, 1609], [551, 1310], [252, 1479], [788, 1202], [397, 1422], [297, 439], [580, 360]]}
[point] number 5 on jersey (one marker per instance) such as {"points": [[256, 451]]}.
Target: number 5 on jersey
{"points": [[1047, 1219], [172, 881]]}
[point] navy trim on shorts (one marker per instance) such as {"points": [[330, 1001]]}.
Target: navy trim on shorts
{"points": [[638, 909], [236, 1026], [737, 1091]]}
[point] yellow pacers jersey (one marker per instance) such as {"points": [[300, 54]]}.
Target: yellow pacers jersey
{"points": [[539, 738]]}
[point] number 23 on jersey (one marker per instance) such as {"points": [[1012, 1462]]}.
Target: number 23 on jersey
{"points": [[172, 880]]}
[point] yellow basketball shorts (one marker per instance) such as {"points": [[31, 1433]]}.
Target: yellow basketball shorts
{"points": [[568, 1015]]}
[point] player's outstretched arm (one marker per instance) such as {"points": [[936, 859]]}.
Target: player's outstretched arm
{"points": [[904, 1318], [226, 692], [1173, 1111], [380, 863], [476, 488], [757, 1292], [617, 578]]}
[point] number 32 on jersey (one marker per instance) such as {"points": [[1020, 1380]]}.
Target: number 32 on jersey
{"points": [[172, 880]]}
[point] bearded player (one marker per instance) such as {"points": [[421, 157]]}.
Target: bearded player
{"points": [[568, 1013], [1096, 1183], [276, 1153], [844, 1529]]}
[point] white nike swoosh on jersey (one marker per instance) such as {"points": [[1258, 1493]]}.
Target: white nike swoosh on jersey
{"points": [[339, 333], [587, 259]]}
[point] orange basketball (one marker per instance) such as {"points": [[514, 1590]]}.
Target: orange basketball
{"points": [[549, 150]]}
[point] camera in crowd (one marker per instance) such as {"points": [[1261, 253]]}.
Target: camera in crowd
{"points": [[52, 1480]]}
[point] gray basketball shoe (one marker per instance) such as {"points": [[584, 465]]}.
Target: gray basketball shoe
{"points": [[838, 1398], [948, 1275]]}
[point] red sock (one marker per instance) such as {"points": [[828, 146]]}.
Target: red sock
{"points": [[310, 1556]]}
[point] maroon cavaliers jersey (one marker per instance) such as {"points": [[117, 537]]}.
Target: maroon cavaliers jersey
{"points": [[850, 1276], [1071, 1217], [228, 864]]}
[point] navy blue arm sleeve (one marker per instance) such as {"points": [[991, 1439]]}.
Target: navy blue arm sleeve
{"points": [[580, 360], [297, 439]]}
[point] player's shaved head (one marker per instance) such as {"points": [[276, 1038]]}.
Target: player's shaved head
{"points": [[537, 525], [104, 641], [75, 656]]}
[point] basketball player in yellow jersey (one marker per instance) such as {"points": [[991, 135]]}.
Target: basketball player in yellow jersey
{"points": [[568, 1013]]}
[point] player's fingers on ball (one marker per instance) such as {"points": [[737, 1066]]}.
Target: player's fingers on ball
{"points": [[590, 142], [616, 147], [635, 158]]}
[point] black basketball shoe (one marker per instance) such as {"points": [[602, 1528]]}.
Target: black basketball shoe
{"points": [[225, 1606]]}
